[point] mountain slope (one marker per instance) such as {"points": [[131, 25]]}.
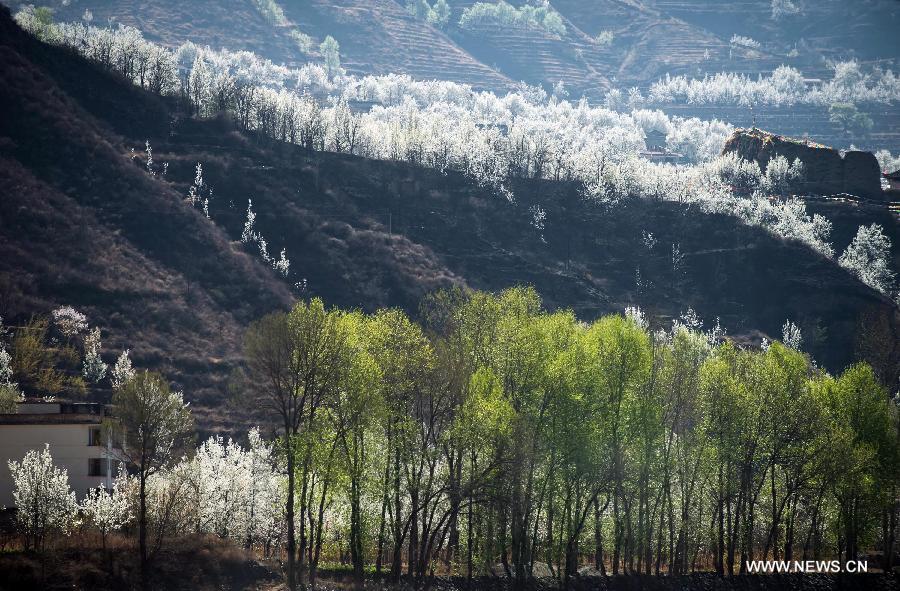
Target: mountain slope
{"points": [[650, 37], [82, 223]]}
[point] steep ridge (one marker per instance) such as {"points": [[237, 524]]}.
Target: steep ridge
{"points": [[87, 226], [82, 225]]}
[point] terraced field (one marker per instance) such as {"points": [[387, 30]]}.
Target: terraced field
{"points": [[232, 24], [651, 37], [380, 36]]}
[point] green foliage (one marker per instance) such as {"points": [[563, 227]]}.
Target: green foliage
{"points": [[849, 118], [501, 420], [154, 422], [41, 366], [503, 14], [331, 55], [439, 14], [605, 38]]}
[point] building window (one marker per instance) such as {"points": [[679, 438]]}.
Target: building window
{"points": [[96, 467], [95, 437]]}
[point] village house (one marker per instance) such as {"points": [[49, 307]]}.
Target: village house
{"points": [[657, 150], [77, 437], [892, 182]]}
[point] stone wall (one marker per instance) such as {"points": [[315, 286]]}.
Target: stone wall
{"points": [[827, 171]]}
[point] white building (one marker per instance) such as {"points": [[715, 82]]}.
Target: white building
{"points": [[76, 435]]}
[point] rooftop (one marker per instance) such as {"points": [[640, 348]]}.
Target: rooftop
{"points": [[39, 412], [50, 419]]}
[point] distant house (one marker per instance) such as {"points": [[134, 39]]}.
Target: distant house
{"points": [[77, 438], [657, 149], [893, 181], [655, 141]]}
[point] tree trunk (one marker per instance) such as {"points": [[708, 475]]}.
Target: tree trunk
{"points": [[142, 530], [291, 542]]}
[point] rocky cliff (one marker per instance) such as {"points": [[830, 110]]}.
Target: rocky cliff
{"points": [[828, 171]]}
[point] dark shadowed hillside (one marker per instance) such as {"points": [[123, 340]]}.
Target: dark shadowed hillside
{"points": [[81, 225], [84, 224]]}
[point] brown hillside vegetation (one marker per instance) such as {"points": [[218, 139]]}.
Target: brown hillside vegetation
{"points": [[81, 223]]}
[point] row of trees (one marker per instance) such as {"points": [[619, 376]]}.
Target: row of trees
{"points": [[539, 15], [437, 14], [498, 437], [449, 126], [786, 85]]}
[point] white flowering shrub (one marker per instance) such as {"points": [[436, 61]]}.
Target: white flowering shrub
{"points": [[868, 257], [122, 372], [741, 41], [783, 8], [223, 489], [10, 395], [108, 510], [93, 368], [45, 504], [636, 315], [781, 176], [282, 265], [886, 162], [249, 232], [791, 335], [237, 488], [69, 321]]}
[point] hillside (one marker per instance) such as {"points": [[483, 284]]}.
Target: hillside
{"points": [[650, 37], [84, 224], [606, 44]]}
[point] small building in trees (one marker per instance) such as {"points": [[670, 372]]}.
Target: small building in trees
{"points": [[657, 149], [892, 181], [655, 140], [77, 438]]}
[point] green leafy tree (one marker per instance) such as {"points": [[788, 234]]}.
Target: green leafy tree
{"points": [[153, 425], [331, 55]]}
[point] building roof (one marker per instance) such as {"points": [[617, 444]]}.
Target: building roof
{"points": [[894, 176], [50, 419], [37, 412]]}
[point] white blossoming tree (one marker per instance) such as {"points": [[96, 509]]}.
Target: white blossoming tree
{"points": [[868, 257], [69, 321], [10, 394], [94, 369], [45, 504], [122, 371], [108, 510], [791, 335]]}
